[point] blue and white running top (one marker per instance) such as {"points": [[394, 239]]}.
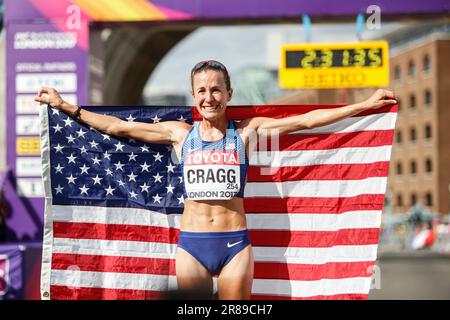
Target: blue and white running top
{"points": [[214, 170]]}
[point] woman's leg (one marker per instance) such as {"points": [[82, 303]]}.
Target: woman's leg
{"points": [[192, 277], [236, 278]]}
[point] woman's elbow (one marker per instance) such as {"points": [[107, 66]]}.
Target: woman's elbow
{"points": [[116, 129]]}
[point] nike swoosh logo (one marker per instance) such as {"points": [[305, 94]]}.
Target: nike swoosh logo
{"points": [[233, 244]]}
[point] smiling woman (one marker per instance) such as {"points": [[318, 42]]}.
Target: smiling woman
{"points": [[213, 238]]}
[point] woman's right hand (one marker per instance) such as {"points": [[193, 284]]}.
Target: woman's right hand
{"points": [[49, 96]]}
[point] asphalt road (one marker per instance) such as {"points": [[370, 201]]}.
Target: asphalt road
{"points": [[421, 276]]}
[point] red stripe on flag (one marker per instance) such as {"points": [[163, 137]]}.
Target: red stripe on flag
{"points": [[314, 239], [79, 230], [282, 111], [355, 296], [312, 272], [314, 205], [318, 172], [324, 141], [77, 293], [259, 238], [118, 264]]}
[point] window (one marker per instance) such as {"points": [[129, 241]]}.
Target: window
{"points": [[413, 167], [429, 199], [428, 166], [412, 69], [397, 73], [399, 168], [412, 134], [399, 200], [428, 131], [398, 137], [413, 199], [427, 97], [412, 101], [426, 64]]}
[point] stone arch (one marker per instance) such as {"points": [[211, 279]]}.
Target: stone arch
{"points": [[127, 58]]}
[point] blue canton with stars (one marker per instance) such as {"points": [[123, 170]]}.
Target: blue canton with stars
{"points": [[91, 168]]}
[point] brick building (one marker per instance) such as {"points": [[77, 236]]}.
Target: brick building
{"points": [[420, 77]]}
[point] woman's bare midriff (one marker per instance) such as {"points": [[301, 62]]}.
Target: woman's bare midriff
{"points": [[213, 215]]}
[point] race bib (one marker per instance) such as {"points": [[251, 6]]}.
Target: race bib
{"points": [[211, 174]]}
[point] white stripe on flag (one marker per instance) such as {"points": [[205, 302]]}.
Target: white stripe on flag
{"points": [[114, 215], [316, 188], [305, 289], [112, 280], [295, 288], [314, 222], [317, 157], [117, 248], [260, 221], [382, 121]]}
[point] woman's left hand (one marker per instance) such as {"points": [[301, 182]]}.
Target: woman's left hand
{"points": [[380, 99]]}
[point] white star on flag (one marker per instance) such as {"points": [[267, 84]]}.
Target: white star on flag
{"points": [[71, 179], [108, 172], [156, 119], [170, 167], [59, 189], [181, 118], [157, 177], [59, 168], [97, 179], [58, 148], [81, 133], [180, 199], [109, 190], [157, 198], [71, 158], [57, 128], [83, 189], [144, 166], [119, 146], [121, 183], [106, 137], [107, 155], [70, 139], [145, 149], [130, 118], [84, 169], [93, 144], [144, 187], [68, 122], [132, 177], [119, 166], [133, 195], [158, 157], [55, 111], [83, 149], [96, 160], [170, 188], [132, 156]]}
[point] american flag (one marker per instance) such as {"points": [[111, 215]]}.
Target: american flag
{"points": [[313, 203]]}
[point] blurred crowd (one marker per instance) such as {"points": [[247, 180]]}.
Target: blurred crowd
{"points": [[416, 230]]}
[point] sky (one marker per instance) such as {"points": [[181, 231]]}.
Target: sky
{"points": [[240, 46]]}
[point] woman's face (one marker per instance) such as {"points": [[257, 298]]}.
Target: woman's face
{"points": [[210, 94]]}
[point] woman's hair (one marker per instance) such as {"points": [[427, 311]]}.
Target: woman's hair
{"points": [[211, 65]]}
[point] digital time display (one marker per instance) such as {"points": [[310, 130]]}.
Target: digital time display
{"points": [[325, 58], [334, 65]]}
